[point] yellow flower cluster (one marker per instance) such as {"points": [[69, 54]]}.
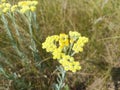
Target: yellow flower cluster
{"points": [[49, 44], [22, 6], [69, 64], [78, 46], [14, 8], [63, 47], [3, 0], [26, 6], [4, 7], [63, 40]]}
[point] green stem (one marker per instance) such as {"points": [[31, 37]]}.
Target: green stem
{"points": [[61, 77], [33, 44], [14, 45], [6, 27], [70, 49], [73, 54], [14, 24], [35, 21]]}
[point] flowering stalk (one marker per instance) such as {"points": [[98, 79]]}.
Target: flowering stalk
{"points": [[28, 8], [63, 47], [7, 9]]}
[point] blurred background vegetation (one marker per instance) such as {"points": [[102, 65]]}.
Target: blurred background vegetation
{"points": [[97, 19]]}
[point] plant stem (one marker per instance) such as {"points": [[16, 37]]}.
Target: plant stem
{"points": [[61, 77], [14, 24], [14, 45], [33, 44], [69, 52]]}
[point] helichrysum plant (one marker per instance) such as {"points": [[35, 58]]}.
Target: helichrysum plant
{"points": [[63, 47], [8, 13], [26, 9]]}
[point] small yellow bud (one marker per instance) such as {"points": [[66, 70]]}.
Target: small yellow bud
{"points": [[3, 0], [24, 9], [1, 6], [22, 3], [5, 10], [35, 2], [7, 5], [13, 8], [32, 8]]}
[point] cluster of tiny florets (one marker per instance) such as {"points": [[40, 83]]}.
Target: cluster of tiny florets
{"points": [[26, 6], [63, 47], [4, 6], [22, 6]]}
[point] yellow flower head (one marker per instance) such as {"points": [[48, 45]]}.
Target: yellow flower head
{"points": [[1, 6], [34, 2], [7, 5], [62, 49], [23, 3], [32, 8], [26, 6], [3, 1], [5, 10], [78, 46], [69, 64], [50, 43], [63, 40], [14, 8], [75, 66], [4, 7], [57, 54], [74, 36], [24, 9]]}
